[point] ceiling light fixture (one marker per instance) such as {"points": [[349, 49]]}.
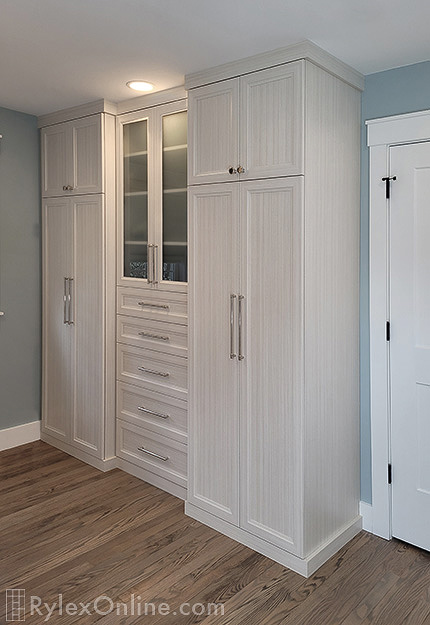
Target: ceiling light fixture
{"points": [[140, 85]]}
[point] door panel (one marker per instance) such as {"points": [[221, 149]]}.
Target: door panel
{"points": [[271, 122], [271, 372], [214, 391], [88, 297], [410, 342], [86, 154], [57, 227], [54, 165], [213, 132]]}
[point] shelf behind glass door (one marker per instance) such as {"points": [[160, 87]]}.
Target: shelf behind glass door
{"points": [[135, 199], [175, 197]]}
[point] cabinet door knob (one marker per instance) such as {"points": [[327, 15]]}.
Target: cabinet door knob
{"points": [[67, 187], [232, 170], [240, 169]]}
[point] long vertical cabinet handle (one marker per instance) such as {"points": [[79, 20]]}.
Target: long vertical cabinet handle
{"points": [[69, 297], [65, 320], [240, 326], [154, 264], [149, 257], [232, 300]]}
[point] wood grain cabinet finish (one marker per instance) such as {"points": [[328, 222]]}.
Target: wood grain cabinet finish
{"points": [[273, 334], [78, 244], [72, 157], [74, 329], [248, 127]]}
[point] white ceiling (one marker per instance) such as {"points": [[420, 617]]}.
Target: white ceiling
{"points": [[60, 53]]}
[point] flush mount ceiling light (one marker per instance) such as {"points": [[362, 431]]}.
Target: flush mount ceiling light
{"points": [[140, 85]]}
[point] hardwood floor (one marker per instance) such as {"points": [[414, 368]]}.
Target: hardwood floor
{"points": [[69, 529]]}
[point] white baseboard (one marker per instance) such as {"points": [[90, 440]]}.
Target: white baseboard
{"points": [[366, 512], [19, 435]]}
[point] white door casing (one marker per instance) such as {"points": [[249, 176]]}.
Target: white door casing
{"points": [[382, 135]]}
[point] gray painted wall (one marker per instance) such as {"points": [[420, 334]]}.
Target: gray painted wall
{"points": [[396, 91], [20, 284]]}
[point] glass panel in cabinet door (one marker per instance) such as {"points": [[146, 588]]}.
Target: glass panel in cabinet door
{"points": [[174, 266], [135, 144]]}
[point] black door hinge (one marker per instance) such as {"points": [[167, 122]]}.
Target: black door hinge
{"points": [[390, 474], [387, 185], [387, 331]]}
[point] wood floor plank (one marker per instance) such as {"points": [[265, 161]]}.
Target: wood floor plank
{"points": [[68, 528]]}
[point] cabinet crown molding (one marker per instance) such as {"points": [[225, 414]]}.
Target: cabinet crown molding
{"points": [[304, 50], [152, 99], [69, 114]]}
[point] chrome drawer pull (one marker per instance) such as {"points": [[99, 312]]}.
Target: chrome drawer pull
{"points": [[156, 414], [232, 299], [152, 453], [160, 337], [150, 305], [162, 373], [240, 324]]}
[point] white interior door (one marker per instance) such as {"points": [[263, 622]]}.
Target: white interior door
{"points": [[214, 385], [410, 342]]}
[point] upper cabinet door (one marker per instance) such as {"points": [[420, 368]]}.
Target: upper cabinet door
{"points": [[271, 122], [86, 153], [54, 140], [72, 157], [213, 132]]}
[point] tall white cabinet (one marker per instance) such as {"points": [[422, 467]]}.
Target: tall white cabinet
{"points": [[78, 249], [273, 310]]}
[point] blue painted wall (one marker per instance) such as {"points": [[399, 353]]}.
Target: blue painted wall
{"points": [[20, 284], [396, 91]]}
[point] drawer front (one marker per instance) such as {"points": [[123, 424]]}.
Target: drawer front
{"points": [[156, 305], [158, 454], [156, 412], [158, 335], [157, 371]]}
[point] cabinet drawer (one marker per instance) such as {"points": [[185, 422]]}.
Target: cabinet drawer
{"points": [[159, 413], [157, 371], [158, 454], [157, 305], [158, 335]]}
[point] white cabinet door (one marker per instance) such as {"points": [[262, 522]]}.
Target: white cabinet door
{"points": [[271, 371], [87, 315], [85, 170], [214, 391], [55, 162], [213, 132], [72, 157], [57, 224], [271, 122]]}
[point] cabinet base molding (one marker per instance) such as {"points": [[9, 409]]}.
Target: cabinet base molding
{"points": [[155, 480], [19, 435], [102, 465], [303, 566]]}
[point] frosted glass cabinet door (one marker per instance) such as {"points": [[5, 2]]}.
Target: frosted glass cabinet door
{"points": [[135, 199], [174, 202]]}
